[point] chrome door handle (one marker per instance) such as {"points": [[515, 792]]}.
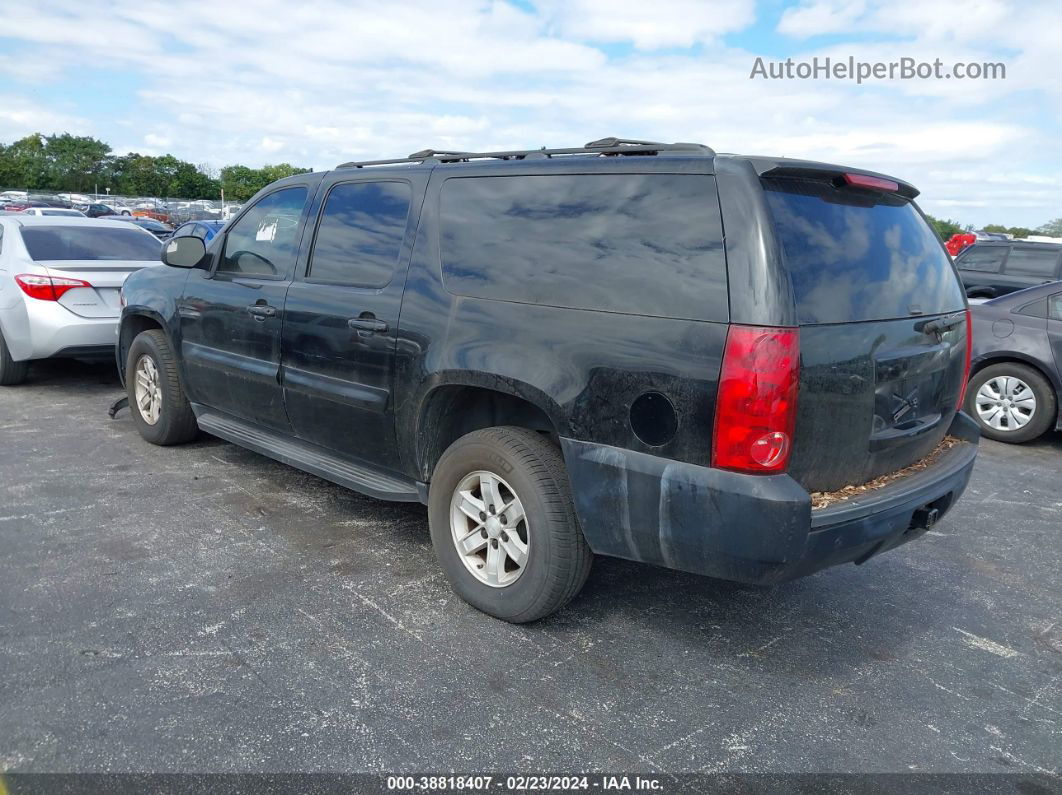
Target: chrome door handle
{"points": [[370, 324], [262, 311]]}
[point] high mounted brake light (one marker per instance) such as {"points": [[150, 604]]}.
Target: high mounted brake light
{"points": [[755, 413], [47, 288], [874, 183]]}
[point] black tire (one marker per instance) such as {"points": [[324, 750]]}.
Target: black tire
{"points": [[176, 423], [1043, 416], [11, 372], [558, 558]]}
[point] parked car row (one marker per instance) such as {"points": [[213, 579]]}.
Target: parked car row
{"points": [[173, 213], [561, 355]]}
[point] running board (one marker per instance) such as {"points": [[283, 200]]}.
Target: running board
{"points": [[309, 458]]}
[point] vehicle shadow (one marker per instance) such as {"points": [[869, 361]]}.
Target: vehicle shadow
{"points": [[73, 373], [819, 626]]}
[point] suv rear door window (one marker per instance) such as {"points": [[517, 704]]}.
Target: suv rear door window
{"points": [[644, 244], [1032, 262], [858, 255], [988, 259], [360, 234]]}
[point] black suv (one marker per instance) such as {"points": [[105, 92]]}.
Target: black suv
{"points": [[991, 268], [642, 350]]}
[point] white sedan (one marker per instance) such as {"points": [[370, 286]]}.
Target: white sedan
{"points": [[60, 279], [53, 211]]}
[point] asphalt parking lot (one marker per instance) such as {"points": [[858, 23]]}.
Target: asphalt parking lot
{"points": [[203, 608]]}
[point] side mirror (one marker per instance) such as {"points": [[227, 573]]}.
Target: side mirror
{"points": [[183, 252]]}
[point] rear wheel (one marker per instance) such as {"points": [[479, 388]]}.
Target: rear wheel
{"points": [[503, 524], [1011, 402], [11, 372], [159, 407]]}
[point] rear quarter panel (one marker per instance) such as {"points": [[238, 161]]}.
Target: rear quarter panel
{"points": [[583, 368]]}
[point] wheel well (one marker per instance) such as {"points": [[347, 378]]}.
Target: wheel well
{"points": [[453, 411], [131, 326], [979, 366]]}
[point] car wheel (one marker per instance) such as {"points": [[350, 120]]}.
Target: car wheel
{"points": [[503, 524], [157, 402], [11, 372], [1011, 402], [126, 212]]}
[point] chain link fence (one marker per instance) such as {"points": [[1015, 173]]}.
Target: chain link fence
{"points": [[168, 210]]}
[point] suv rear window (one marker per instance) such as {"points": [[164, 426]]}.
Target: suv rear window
{"points": [[1032, 262], [857, 255], [49, 243], [643, 244]]}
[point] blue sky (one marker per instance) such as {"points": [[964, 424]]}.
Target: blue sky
{"points": [[318, 83]]}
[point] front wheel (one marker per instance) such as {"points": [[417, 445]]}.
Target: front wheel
{"points": [[503, 524], [1011, 402], [157, 402]]}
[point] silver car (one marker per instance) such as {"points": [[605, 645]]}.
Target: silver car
{"points": [[60, 279]]}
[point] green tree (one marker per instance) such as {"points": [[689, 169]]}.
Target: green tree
{"points": [[945, 229], [1013, 231], [25, 164], [241, 183], [65, 162], [74, 163], [1051, 228]]}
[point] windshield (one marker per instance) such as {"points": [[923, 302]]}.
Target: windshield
{"points": [[48, 243], [856, 255]]}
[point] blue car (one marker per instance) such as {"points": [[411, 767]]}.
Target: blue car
{"points": [[204, 230]]}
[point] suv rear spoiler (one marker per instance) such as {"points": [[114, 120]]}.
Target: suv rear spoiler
{"points": [[808, 168]]}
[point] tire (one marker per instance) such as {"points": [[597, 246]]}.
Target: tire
{"points": [[174, 422], [11, 372], [557, 559], [1022, 381]]}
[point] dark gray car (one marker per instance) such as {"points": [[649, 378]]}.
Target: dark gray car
{"points": [[1015, 380]]}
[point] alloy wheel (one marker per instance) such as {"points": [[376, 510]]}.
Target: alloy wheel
{"points": [[489, 529], [146, 389]]}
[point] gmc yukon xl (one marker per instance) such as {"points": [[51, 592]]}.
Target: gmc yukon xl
{"points": [[650, 351]]}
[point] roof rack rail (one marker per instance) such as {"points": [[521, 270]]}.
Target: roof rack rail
{"points": [[608, 147]]}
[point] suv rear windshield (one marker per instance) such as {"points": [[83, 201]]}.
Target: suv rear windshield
{"points": [[857, 255], [47, 243]]}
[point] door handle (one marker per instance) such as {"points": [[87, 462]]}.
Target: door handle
{"points": [[367, 323], [262, 311]]}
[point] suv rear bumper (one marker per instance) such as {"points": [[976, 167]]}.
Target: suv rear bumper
{"points": [[750, 528]]}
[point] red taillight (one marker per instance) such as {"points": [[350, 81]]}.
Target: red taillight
{"points": [[876, 183], [969, 354], [47, 288], [755, 413]]}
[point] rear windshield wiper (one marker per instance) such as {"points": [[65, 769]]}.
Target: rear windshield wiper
{"points": [[939, 325]]}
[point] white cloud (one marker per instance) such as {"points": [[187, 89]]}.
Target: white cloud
{"points": [[649, 26], [319, 84], [20, 117], [821, 16]]}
